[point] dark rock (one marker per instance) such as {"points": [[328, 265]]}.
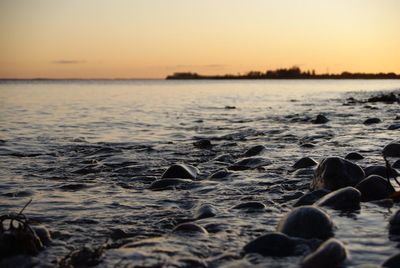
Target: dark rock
{"points": [[392, 150], [224, 158], [205, 211], [354, 156], [84, 257], [392, 262], [345, 198], [306, 222], [334, 173], [374, 187], [181, 171], [190, 228], [304, 163], [249, 163], [320, 119], [202, 144], [396, 164], [220, 174], [330, 254], [272, 244], [255, 150], [304, 172], [394, 126], [394, 223], [307, 145], [230, 107], [43, 234], [371, 121], [386, 98], [164, 184], [311, 198], [379, 170], [250, 205]]}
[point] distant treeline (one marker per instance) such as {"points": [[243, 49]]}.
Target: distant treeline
{"points": [[290, 73]]}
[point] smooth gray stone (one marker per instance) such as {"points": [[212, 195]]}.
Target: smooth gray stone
{"points": [[205, 211], [249, 163], [305, 162], [255, 150], [374, 187], [306, 222], [190, 228], [334, 173], [272, 244], [181, 171], [342, 199], [354, 156], [220, 174], [330, 254], [164, 184], [250, 205], [311, 198]]}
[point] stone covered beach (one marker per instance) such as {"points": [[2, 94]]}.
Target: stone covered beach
{"points": [[294, 180]]}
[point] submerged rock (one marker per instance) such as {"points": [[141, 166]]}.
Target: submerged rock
{"points": [[164, 184], [345, 198], [249, 163], [354, 156], [394, 223], [396, 164], [386, 98], [392, 262], [224, 158], [392, 150], [181, 171], [251, 205], [205, 211], [43, 233], [320, 119], [304, 162], [334, 173], [394, 126], [202, 144], [311, 198], [189, 228], [255, 150], [220, 174], [330, 254], [306, 222], [379, 170], [372, 120], [374, 187], [272, 244]]}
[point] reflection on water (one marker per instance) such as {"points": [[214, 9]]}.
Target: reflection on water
{"points": [[86, 152]]}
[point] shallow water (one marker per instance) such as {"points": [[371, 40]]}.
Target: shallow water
{"points": [[86, 152]]}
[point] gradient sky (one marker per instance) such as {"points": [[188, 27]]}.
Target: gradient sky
{"points": [[153, 38]]}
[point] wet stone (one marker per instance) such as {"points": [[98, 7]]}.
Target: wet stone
{"points": [[189, 228], [320, 119], [305, 162], [306, 222], [379, 170], [224, 158], [272, 244], [372, 120], [202, 144], [255, 150], [249, 163], [165, 184], [396, 164], [394, 126], [251, 205], [392, 150], [394, 223], [311, 198], [181, 171], [43, 233], [205, 211], [220, 174], [330, 254], [347, 198], [334, 173], [392, 262], [374, 187], [354, 156]]}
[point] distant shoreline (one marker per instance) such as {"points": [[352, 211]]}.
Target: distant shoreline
{"points": [[280, 74]]}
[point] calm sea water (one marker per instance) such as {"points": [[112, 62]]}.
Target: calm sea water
{"points": [[86, 152]]}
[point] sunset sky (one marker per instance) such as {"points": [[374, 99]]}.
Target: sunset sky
{"points": [[154, 38]]}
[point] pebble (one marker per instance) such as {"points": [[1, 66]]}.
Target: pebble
{"points": [[334, 173], [181, 171], [347, 198], [272, 244], [392, 150], [374, 187], [354, 156], [255, 150], [306, 222], [205, 211], [320, 119], [251, 205], [330, 254], [392, 262], [372, 120], [311, 198], [189, 228], [305, 162]]}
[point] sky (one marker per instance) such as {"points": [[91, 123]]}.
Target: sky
{"points": [[154, 38]]}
